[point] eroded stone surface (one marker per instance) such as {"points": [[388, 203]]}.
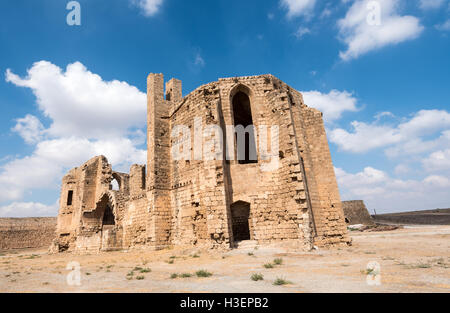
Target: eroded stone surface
{"points": [[195, 202]]}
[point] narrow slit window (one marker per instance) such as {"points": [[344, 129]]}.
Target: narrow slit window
{"points": [[69, 197]]}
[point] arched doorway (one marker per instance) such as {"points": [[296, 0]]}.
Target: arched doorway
{"points": [[103, 215], [240, 214], [108, 224], [242, 115], [108, 216]]}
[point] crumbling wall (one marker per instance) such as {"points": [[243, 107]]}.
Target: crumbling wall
{"points": [[136, 210], [22, 233], [198, 201], [194, 198], [356, 213], [322, 193], [86, 194]]}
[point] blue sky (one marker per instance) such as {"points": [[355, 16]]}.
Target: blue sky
{"points": [[383, 87]]}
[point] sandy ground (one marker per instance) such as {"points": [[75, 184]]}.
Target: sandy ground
{"points": [[413, 259]]}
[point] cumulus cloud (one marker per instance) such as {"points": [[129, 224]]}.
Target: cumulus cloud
{"points": [[81, 103], [406, 137], [386, 194], [148, 7], [423, 143], [332, 104], [438, 161], [370, 25], [89, 116], [298, 7]]}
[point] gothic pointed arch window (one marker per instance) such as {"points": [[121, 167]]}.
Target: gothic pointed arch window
{"points": [[244, 127]]}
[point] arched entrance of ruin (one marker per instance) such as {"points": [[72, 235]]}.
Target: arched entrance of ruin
{"points": [[103, 220], [105, 212], [240, 221]]}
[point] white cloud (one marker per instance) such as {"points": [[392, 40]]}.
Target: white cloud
{"points": [[426, 131], [362, 36], [332, 104], [406, 137], [444, 26], [29, 128], [89, 117], [437, 181], [402, 169], [430, 4], [385, 114], [298, 7], [45, 167], [81, 103], [326, 13], [199, 61], [148, 7], [302, 31], [437, 161], [29, 209], [386, 194]]}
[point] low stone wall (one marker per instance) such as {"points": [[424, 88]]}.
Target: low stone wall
{"points": [[355, 212], [428, 217], [21, 233]]}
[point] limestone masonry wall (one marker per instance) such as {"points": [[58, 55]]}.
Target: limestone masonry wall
{"points": [[21, 233], [195, 191]]}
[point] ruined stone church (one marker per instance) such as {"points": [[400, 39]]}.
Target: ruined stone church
{"points": [[211, 202]]}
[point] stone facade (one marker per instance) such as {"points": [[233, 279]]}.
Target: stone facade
{"points": [[211, 201]]}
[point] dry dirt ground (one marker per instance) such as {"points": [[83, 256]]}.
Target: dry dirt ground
{"points": [[413, 259]]}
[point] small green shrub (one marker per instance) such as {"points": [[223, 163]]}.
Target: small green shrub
{"points": [[281, 281], [268, 265], [278, 261], [203, 273], [145, 270], [256, 277]]}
